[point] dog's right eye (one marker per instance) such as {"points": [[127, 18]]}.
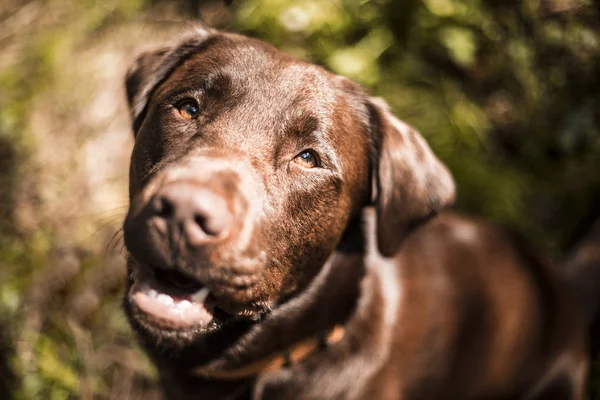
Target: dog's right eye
{"points": [[188, 110], [307, 159]]}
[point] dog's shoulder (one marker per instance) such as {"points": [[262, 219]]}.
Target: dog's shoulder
{"points": [[450, 233]]}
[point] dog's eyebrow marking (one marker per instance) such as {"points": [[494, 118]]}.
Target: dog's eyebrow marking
{"points": [[215, 83], [218, 82], [304, 125]]}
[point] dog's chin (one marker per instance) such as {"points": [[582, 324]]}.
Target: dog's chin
{"points": [[174, 311]]}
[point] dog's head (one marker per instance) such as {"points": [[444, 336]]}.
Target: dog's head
{"points": [[247, 168]]}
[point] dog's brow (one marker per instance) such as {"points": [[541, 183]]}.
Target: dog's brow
{"points": [[303, 125], [204, 82], [217, 81]]}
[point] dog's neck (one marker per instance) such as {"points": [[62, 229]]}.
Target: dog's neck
{"points": [[326, 303], [322, 308]]}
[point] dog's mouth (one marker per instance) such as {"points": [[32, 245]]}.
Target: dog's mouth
{"points": [[174, 300]]}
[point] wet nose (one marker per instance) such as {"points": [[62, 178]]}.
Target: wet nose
{"points": [[199, 214]]}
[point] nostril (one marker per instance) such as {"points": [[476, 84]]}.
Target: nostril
{"points": [[200, 220], [163, 207], [209, 225]]}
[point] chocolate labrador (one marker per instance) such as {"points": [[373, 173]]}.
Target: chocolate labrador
{"points": [[287, 239]]}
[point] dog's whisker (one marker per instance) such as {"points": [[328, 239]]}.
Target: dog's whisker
{"points": [[111, 218], [114, 239], [119, 208]]}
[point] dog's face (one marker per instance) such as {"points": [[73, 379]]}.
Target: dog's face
{"points": [[248, 166]]}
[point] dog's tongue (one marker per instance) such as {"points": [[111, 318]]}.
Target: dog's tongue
{"points": [[174, 311]]}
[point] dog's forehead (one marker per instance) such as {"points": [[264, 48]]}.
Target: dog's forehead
{"points": [[259, 70]]}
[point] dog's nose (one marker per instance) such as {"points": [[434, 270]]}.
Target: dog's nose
{"points": [[199, 214]]}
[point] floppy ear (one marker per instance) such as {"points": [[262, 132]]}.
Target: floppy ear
{"points": [[139, 82], [410, 182]]}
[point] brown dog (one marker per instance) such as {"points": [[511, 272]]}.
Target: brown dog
{"points": [[285, 243]]}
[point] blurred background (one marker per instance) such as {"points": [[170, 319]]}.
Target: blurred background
{"points": [[507, 92]]}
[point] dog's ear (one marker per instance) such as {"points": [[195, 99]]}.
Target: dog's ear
{"points": [[409, 182], [139, 82]]}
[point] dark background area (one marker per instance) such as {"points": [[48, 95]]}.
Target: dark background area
{"points": [[507, 93]]}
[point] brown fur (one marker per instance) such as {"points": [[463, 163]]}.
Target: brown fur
{"points": [[435, 306]]}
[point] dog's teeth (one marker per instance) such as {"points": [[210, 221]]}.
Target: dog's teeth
{"points": [[201, 295], [152, 293], [164, 299], [184, 304]]}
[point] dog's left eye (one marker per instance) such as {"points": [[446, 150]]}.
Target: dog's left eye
{"points": [[307, 159], [188, 110]]}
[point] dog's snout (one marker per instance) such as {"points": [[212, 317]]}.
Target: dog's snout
{"points": [[197, 213]]}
